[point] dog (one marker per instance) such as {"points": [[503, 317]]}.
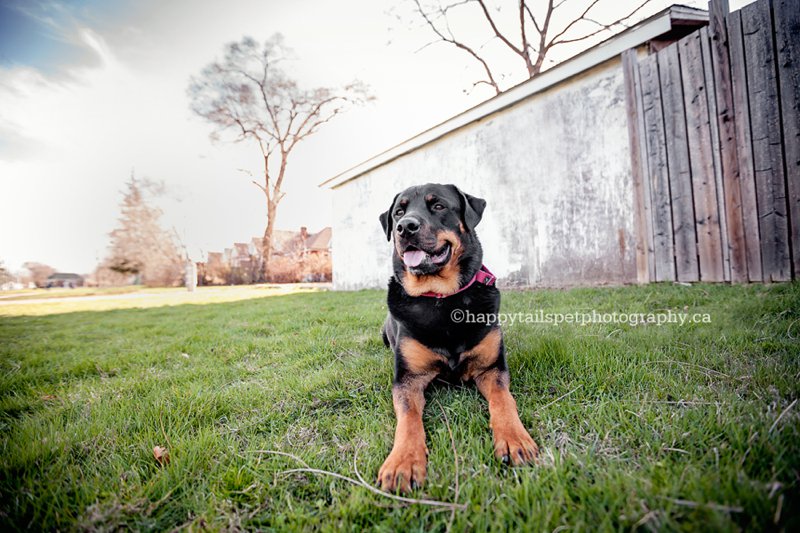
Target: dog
{"points": [[439, 276]]}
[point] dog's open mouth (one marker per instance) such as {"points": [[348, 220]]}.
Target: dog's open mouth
{"points": [[414, 257]]}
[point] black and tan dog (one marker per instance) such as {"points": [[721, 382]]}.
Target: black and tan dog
{"points": [[439, 277]]}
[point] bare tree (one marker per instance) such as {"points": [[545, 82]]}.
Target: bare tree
{"points": [[530, 30], [249, 94]]}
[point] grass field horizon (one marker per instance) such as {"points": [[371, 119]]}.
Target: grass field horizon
{"points": [[673, 427]]}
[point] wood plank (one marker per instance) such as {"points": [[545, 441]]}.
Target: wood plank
{"points": [[765, 124], [680, 176], [658, 172], [701, 160], [651, 264], [641, 207], [787, 38], [728, 154], [711, 102], [744, 147]]}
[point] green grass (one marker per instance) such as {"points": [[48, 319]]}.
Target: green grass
{"points": [[667, 428]]}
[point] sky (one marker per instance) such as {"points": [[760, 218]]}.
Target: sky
{"points": [[94, 90]]}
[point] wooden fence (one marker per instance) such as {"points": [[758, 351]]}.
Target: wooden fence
{"points": [[714, 127]]}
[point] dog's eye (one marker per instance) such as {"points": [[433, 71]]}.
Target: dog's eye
{"points": [[438, 207], [399, 212]]}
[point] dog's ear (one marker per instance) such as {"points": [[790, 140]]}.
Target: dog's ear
{"points": [[386, 219], [471, 208]]}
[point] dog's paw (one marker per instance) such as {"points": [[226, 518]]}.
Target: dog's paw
{"points": [[513, 444], [404, 469]]}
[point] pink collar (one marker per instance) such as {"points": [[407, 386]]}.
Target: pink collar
{"points": [[483, 275]]}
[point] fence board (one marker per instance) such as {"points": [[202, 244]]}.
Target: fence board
{"points": [[658, 173], [765, 124], [651, 265], [728, 155], [787, 28], [716, 157], [701, 160], [680, 177], [641, 204], [744, 147]]}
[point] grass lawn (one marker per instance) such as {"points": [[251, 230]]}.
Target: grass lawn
{"points": [[667, 427]]}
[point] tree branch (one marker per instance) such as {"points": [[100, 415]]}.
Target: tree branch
{"points": [[497, 33], [603, 27], [462, 46]]}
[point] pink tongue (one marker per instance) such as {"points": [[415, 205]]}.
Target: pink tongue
{"points": [[414, 258]]}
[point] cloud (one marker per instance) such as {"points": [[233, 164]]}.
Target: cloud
{"points": [[44, 35], [98, 46], [14, 146]]}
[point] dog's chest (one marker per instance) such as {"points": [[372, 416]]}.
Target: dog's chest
{"points": [[441, 324]]}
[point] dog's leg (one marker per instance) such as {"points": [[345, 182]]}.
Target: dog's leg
{"points": [[487, 366], [511, 440], [415, 367], [405, 467]]}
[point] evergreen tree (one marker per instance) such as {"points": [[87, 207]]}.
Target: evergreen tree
{"points": [[139, 246]]}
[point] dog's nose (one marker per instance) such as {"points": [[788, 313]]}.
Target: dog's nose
{"points": [[407, 226]]}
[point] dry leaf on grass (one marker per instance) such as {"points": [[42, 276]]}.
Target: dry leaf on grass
{"points": [[161, 454]]}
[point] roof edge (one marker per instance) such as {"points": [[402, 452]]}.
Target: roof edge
{"points": [[650, 28]]}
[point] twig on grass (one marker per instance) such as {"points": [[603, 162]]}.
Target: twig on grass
{"points": [[361, 483], [672, 402], [774, 424], [777, 516], [559, 398], [693, 366], [276, 452], [709, 505], [433, 503], [678, 450]]}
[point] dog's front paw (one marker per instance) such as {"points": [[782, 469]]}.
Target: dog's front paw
{"points": [[513, 444], [404, 469]]}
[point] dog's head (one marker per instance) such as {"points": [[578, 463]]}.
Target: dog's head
{"points": [[434, 236]]}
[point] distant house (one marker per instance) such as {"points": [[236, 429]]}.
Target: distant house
{"points": [[319, 243], [300, 243], [64, 279], [255, 245], [214, 271], [14, 286], [287, 242], [241, 256], [242, 263]]}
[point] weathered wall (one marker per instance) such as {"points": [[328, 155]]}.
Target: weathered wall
{"points": [[555, 171]]}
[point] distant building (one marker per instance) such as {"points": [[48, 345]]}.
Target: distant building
{"points": [[64, 279], [242, 263], [319, 243], [241, 256]]}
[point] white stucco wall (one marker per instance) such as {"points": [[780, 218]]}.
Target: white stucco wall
{"points": [[555, 171]]}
